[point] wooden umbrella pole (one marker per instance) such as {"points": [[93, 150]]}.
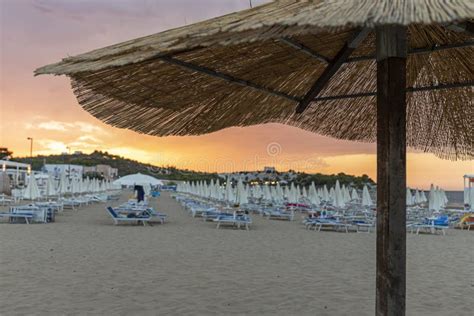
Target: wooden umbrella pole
{"points": [[391, 170]]}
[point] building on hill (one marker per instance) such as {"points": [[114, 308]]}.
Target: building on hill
{"points": [[78, 171], [269, 170], [71, 171], [16, 171], [105, 171]]}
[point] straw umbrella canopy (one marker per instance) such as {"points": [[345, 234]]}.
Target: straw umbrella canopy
{"points": [[396, 72], [256, 55]]}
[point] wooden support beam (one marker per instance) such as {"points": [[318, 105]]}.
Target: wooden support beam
{"points": [[441, 86], [415, 51], [293, 43], [226, 77], [332, 68], [391, 49]]}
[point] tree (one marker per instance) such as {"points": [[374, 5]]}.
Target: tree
{"points": [[5, 153]]}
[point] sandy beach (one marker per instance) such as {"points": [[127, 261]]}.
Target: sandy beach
{"points": [[82, 264]]}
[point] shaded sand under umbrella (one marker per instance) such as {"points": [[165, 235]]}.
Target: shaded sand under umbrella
{"points": [[396, 72]]}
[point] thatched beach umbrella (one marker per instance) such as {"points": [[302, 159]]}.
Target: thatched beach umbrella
{"points": [[395, 72]]}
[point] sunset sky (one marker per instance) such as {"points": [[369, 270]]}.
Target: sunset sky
{"points": [[38, 32]]}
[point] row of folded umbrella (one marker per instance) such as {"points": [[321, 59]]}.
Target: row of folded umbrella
{"points": [[241, 193], [338, 196], [64, 185]]}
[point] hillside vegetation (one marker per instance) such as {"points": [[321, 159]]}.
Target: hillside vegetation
{"points": [[128, 166], [124, 165]]}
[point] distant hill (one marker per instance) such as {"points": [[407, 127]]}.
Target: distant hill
{"points": [[128, 166], [125, 166]]}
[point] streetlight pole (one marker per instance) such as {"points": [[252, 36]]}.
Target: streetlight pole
{"points": [[31, 146]]}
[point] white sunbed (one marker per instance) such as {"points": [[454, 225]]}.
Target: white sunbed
{"points": [[333, 224], [427, 228], [136, 220], [280, 215], [236, 221], [5, 200], [25, 216]]}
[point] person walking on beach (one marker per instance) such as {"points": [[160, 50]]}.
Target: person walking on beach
{"points": [[140, 193]]}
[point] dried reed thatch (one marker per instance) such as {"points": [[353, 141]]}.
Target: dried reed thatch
{"points": [[257, 66]]}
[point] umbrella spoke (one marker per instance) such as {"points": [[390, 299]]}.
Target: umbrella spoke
{"points": [[332, 68], [226, 77], [293, 43]]}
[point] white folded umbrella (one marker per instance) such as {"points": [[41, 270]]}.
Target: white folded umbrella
{"points": [[32, 191]]}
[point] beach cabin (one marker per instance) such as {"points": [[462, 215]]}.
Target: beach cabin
{"points": [[16, 171]]}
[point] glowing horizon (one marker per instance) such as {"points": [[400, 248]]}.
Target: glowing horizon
{"points": [[45, 108]]}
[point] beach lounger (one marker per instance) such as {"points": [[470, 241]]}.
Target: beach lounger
{"points": [[280, 215], [5, 200], [124, 219], [468, 225], [70, 204], [432, 226], [141, 208], [364, 225], [211, 214], [329, 223], [155, 215], [25, 216], [40, 215], [199, 211], [236, 221]]}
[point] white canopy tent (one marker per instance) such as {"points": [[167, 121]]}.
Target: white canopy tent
{"points": [[138, 179]]}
